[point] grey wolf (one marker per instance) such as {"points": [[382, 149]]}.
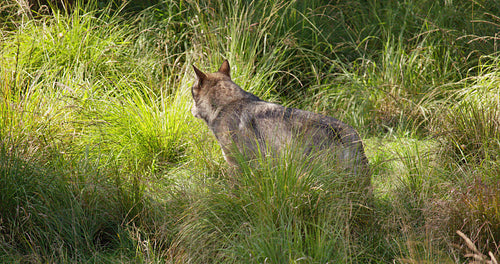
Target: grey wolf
{"points": [[245, 124]]}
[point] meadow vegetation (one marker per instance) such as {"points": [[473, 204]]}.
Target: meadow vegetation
{"points": [[101, 160]]}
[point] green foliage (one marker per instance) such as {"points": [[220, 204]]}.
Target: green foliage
{"points": [[472, 125], [471, 136], [47, 216], [101, 160], [280, 210], [475, 209]]}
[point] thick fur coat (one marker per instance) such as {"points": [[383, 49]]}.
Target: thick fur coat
{"points": [[246, 125]]}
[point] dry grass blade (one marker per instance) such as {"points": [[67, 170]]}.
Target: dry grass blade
{"points": [[468, 242], [479, 257], [493, 259]]}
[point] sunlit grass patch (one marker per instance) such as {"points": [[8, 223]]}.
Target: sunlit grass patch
{"points": [[282, 209]]}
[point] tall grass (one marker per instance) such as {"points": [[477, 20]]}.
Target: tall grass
{"points": [[280, 210], [470, 129], [101, 160], [60, 103]]}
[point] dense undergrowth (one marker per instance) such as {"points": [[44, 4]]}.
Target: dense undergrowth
{"points": [[101, 160]]}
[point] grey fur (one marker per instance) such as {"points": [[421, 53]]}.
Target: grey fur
{"points": [[243, 123]]}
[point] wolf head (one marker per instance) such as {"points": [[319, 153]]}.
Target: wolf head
{"points": [[212, 91]]}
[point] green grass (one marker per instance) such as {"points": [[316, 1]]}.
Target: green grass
{"points": [[102, 161]]}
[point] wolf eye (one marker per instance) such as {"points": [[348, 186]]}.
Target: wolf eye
{"points": [[195, 89]]}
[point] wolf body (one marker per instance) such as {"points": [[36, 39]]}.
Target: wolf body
{"points": [[246, 125]]}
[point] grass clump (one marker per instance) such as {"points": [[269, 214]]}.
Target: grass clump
{"points": [[471, 139], [48, 217], [472, 125], [279, 210], [475, 210]]}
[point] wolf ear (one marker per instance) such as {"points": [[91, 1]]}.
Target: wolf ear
{"points": [[224, 68], [200, 74]]}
